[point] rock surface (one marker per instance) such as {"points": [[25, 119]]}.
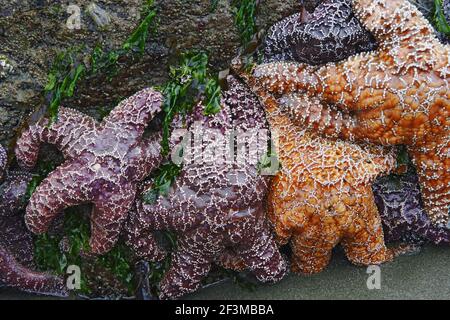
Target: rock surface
{"points": [[33, 32]]}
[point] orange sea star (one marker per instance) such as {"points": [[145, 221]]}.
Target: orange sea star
{"points": [[395, 95]]}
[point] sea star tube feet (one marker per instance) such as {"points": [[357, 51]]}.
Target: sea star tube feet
{"points": [[103, 164]]}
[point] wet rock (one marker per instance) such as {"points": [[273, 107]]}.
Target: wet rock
{"points": [[33, 32], [6, 67]]}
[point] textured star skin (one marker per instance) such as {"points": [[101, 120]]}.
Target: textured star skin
{"points": [[16, 243], [330, 33], [322, 196], [213, 207], [401, 209], [103, 164], [398, 94], [3, 161]]}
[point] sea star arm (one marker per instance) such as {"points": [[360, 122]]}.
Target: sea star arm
{"points": [[260, 254], [364, 242], [169, 211], [141, 239], [134, 113], [190, 263], [352, 84], [281, 35], [152, 153], [312, 112], [433, 168], [108, 217], [402, 213], [62, 188], [392, 22], [63, 133], [13, 190], [12, 273], [369, 126]]}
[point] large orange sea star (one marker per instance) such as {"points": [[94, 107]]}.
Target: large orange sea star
{"points": [[395, 95]]}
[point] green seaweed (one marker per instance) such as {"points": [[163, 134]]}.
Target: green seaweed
{"points": [[50, 257], [439, 19], [139, 37], [245, 19], [190, 83], [214, 4], [70, 66], [404, 160], [163, 179], [65, 73]]}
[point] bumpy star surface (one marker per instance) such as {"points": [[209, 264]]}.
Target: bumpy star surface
{"points": [[103, 164], [404, 219], [398, 94], [16, 243], [214, 206], [322, 196], [330, 33]]}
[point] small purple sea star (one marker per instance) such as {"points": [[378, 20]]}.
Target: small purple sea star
{"points": [[330, 33], [16, 243], [404, 219], [213, 207], [103, 164]]}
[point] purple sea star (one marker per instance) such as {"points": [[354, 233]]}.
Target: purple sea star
{"points": [[404, 219], [213, 207], [330, 33], [16, 243], [103, 164]]}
